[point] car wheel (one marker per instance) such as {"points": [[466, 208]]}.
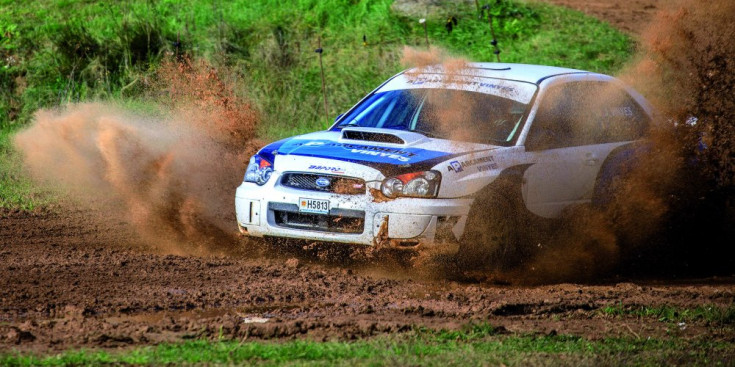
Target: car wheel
{"points": [[613, 173], [492, 237]]}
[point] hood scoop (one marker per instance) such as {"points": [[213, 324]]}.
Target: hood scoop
{"points": [[384, 136], [372, 136]]}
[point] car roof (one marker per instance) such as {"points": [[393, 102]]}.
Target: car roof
{"points": [[521, 72]]}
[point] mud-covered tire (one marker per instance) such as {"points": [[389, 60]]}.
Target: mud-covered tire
{"points": [[493, 234], [613, 173]]}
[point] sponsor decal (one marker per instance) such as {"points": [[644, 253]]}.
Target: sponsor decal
{"points": [[487, 167], [476, 84], [327, 168], [313, 144], [357, 149], [380, 154], [393, 153], [623, 111], [459, 166]]}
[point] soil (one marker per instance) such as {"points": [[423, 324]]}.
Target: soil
{"points": [[74, 278], [68, 281], [631, 16]]}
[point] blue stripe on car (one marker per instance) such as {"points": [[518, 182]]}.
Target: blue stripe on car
{"points": [[357, 152], [267, 151], [388, 160]]}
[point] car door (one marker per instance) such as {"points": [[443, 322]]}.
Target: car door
{"points": [[575, 128]]}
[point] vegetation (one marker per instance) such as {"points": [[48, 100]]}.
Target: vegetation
{"points": [[475, 345], [74, 50], [59, 52], [16, 190], [708, 313]]}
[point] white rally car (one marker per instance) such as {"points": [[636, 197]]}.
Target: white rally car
{"points": [[472, 155]]}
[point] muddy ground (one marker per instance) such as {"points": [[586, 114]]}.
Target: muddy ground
{"points": [[67, 281], [74, 278], [632, 16]]}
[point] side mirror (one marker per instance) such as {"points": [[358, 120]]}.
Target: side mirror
{"points": [[338, 117]]}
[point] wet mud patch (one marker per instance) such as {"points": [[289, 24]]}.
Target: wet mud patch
{"points": [[63, 285]]}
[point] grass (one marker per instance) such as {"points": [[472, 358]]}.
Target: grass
{"points": [[708, 313], [17, 191], [474, 345], [58, 52]]}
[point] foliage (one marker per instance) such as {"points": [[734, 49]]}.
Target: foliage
{"points": [[74, 50], [667, 313], [478, 344], [16, 190], [58, 52]]}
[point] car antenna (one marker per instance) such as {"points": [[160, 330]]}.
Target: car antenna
{"points": [[324, 84], [494, 42]]}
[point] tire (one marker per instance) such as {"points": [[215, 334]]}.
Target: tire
{"points": [[614, 171], [493, 234]]}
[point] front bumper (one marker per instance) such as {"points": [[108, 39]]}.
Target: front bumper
{"points": [[271, 210]]}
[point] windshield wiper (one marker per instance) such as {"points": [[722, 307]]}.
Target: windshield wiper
{"points": [[352, 123]]}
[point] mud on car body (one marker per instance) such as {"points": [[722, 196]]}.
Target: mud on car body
{"points": [[430, 157]]}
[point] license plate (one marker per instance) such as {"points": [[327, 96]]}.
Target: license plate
{"points": [[313, 206]]}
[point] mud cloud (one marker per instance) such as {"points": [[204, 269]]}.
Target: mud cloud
{"points": [[170, 175], [671, 212]]}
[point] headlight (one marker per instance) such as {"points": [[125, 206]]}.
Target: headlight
{"points": [[417, 184], [259, 170]]}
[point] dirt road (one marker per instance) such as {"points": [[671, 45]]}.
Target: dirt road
{"points": [[631, 16], [64, 283]]}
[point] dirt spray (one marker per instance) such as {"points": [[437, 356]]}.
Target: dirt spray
{"points": [[171, 176], [672, 212]]}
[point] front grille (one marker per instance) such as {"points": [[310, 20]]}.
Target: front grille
{"points": [[338, 220], [329, 183]]}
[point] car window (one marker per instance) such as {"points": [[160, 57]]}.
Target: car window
{"points": [[584, 113], [444, 113]]}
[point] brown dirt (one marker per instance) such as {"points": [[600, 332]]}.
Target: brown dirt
{"points": [[632, 16], [66, 281], [80, 278]]}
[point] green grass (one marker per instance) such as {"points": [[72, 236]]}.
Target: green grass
{"points": [[58, 52], [473, 345], [75, 50], [17, 191], [708, 313]]}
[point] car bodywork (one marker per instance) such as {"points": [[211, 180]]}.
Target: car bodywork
{"points": [[339, 185]]}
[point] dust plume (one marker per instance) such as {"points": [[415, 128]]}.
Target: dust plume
{"points": [[171, 175], [458, 116], [671, 210], [686, 69]]}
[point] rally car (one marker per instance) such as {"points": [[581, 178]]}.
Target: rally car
{"points": [[472, 155]]}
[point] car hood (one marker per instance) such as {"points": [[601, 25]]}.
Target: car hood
{"points": [[417, 152]]}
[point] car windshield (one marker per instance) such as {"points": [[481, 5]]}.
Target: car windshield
{"points": [[441, 113]]}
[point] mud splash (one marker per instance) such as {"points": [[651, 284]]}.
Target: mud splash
{"points": [[171, 176], [672, 211], [679, 190], [685, 68], [447, 112]]}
